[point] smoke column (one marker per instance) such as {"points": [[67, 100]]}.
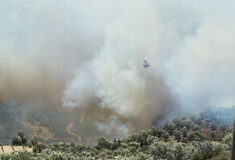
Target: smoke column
{"points": [[89, 55]]}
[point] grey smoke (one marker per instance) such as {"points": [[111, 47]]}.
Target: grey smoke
{"points": [[113, 127], [73, 53]]}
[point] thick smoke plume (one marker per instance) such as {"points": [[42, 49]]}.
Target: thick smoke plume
{"points": [[88, 54]]}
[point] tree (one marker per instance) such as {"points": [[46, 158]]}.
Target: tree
{"points": [[184, 131], [213, 126], [159, 150], [39, 147], [142, 138], [193, 137], [212, 134], [196, 119], [227, 139], [151, 139], [142, 156], [183, 121], [34, 141], [170, 127], [233, 145], [179, 151], [177, 135], [2, 147], [165, 135], [195, 127], [102, 143], [113, 146], [23, 137], [16, 141]]}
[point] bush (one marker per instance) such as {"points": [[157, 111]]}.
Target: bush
{"points": [[5, 156], [195, 127], [228, 139], [193, 137], [55, 156], [19, 156], [142, 156], [34, 141], [2, 147], [102, 143], [197, 119], [22, 156], [213, 126], [184, 131], [23, 137], [16, 141], [169, 127], [183, 121], [206, 155], [212, 134], [39, 147], [177, 135]]}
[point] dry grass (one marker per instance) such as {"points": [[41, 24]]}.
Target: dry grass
{"points": [[68, 129], [39, 132], [8, 149]]}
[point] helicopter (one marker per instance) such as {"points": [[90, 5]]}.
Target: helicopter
{"points": [[147, 65]]}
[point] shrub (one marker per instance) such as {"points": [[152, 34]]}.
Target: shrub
{"points": [[23, 137], [206, 155], [212, 134], [2, 147], [183, 121], [5, 156], [195, 127], [227, 139], [177, 135], [102, 143], [184, 131], [142, 156], [16, 141], [39, 147], [197, 119], [22, 156], [55, 156], [213, 126], [169, 127], [34, 141]]}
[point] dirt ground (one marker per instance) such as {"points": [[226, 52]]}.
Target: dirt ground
{"points": [[8, 149]]}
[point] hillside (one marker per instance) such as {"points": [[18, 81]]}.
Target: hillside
{"points": [[50, 125], [74, 126], [196, 137]]}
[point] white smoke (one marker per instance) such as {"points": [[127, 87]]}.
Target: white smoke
{"points": [[113, 127], [89, 54]]}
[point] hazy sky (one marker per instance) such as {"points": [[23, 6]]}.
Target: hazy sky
{"points": [[76, 53]]}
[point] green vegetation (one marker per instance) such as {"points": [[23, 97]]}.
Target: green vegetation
{"points": [[20, 140], [184, 138], [2, 147], [130, 148]]}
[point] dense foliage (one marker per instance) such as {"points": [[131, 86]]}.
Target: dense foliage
{"points": [[184, 138], [130, 148]]}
